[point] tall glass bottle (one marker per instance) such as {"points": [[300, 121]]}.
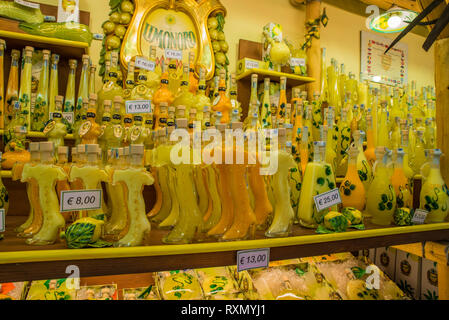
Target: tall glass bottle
{"points": [[265, 117], [153, 78], [110, 88], [254, 100], [352, 190], [324, 96], [141, 91], [2, 84], [401, 185], [54, 78], [40, 114], [83, 89], [364, 169], [419, 157], [434, 195], [129, 82], [56, 130], [282, 98], [69, 103], [25, 88], [12, 90], [201, 99], [92, 72], [193, 81], [163, 94], [184, 97], [223, 104]]}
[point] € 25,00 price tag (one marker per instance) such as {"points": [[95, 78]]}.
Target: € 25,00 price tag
{"points": [[419, 216], [138, 106], [145, 64], [80, 200], [253, 259], [327, 199], [173, 54], [2, 220]]}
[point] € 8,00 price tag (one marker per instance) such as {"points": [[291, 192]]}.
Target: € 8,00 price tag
{"points": [[253, 259], [327, 199], [419, 216], [145, 64], [28, 4], [173, 54], [249, 64], [138, 106], [80, 200], [2, 220]]}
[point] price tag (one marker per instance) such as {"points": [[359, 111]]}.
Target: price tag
{"points": [[68, 116], [297, 62], [28, 4], [327, 199], [98, 36], [145, 64], [138, 106], [419, 216], [251, 64], [2, 220], [173, 54], [253, 259], [80, 200]]}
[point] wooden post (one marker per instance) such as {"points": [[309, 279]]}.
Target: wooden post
{"points": [[442, 101], [313, 11]]}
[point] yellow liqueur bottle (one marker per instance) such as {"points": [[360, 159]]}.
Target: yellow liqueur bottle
{"points": [[40, 114], [110, 88], [25, 88], [92, 72], [55, 130], [201, 99], [12, 89], [282, 98], [401, 185], [141, 91], [153, 78], [352, 191], [83, 89], [54, 80], [69, 103], [129, 82], [364, 169], [184, 97]]}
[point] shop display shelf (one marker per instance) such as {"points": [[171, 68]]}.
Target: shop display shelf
{"points": [[20, 262], [40, 135], [292, 79]]}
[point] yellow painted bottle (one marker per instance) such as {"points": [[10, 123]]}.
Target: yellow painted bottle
{"points": [[153, 78], [25, 88], [434, 196], [92, 72], [69, 101], [265, 118], [40, 113], [184, 97], [12, 89], [370, 153], [83, 89], [54, 81], [401, 184], [364, 169], [283, 99], [381, 200], [352, 191], [55, 131]]}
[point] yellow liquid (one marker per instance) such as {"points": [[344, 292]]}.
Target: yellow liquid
{"points": [[352, 190], [435, 197]]}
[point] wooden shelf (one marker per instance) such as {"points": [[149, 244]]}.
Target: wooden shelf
{"points": [[19, 262], [40, 135], [292, 79]]}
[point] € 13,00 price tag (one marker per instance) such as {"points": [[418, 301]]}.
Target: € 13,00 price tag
{"points": [[80, 200], [145, 64], [327, 199], [2, 220], [253, 259], [419, 216], [138, 106], [173, 54]]}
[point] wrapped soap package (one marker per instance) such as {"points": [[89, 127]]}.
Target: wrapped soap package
{"points": [[386, 261], [408, 273], [244, 282], [101, 292], [68, 10], [50, 290], [179, 285], [218, 284], [429, 280], [355, 281], [12, 290], [145, 293]]}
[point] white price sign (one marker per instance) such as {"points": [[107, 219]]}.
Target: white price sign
{"points": [[28, 4], [2, 220], [419, 216], [253, 259], [173, 54], [138, 106], [80, 200], [68, 116], [145, 64], [294, 62], [251, 64], [327, 199]]}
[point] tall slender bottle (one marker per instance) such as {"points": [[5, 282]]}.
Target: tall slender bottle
{"points": [[83, 89], [184, 97], [364, 169], [201, 99], [40, 114], [282, 98], [25, 87], [130, 81], [193, 81], [254, 100], [54, 78], [401, 184], [352, 190], [153, 78], [163, 94], [2, 83], [69, 102], [324, 96], [265, 118], [223, 104], [92, 72], [370, 149], [233, 92], [12, 90]]}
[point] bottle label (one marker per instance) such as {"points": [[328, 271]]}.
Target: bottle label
{"points": [[135, 133], [138, 106], [297, 62], [128, 120], [216, 100], [91, 115], [170, 123], [50, 126], [145, 64], [173, 54], [164, 81], [118, 131], [28, 4], [117, 117], [106, 119], [163, 120], [184, 83], [2, 220], [149, 122], [138, 118], [419, 217], [85, 127]]}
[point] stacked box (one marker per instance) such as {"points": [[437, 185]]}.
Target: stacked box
{"points": [[408, 273], [368, 253], [429, 280], [386, 261]]}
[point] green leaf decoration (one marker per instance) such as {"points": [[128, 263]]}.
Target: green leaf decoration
{"points": [[357, 226], [99, 217], [78, 235], [323, 230], [100, 244], [358, 272], [145, 294]]}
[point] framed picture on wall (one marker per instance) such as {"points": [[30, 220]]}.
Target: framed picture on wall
{"points": [[391, 68]]}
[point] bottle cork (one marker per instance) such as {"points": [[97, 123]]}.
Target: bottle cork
{"points": [[237, 125], [29, 51], [185, 69], [2, 44], [74, 154], [73, 63], [46, 54], [107, 106], [93, 68], [85, 58], [181, 123], [191, 56], [221, 127]]}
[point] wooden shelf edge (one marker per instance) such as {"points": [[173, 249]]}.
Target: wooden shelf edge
{"points": [[37, 134], [204, 248], [46, 40], [275, 74]]}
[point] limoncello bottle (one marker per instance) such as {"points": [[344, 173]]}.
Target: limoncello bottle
{"points": [[408, 171], [56, 130], [54, 80], [173, 77], [283, 99], [83, 118], [429, 134], [352, 190], [223, 105], [163, 94], [12, 90], [153, 78], [69, 102], [330, 154], [92, 72], [317, 119], [363, 167], [106, 124], [184, 97], [193, 81], [400, 182], [383, 138], [110, 88], [40, 114], [25, 88], [130, 81], [233, 93], [434, 195], [381, 202], [141, 91], [83, 89], [419, 153], [343, 142], [201, 99], [324, 96]]}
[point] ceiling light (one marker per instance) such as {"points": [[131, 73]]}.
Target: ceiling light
{"points": [[394, 20]]}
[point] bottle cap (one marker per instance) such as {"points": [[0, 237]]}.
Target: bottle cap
{"points": [[91, 148], [171, 109], [185, 68], [93, 96], [118, 99], [221, 127], [237, 125], [137, 149], [29, 51], [81, 148], [34, 146], [15, 53], [73, 63], [163, 104], [126, 151], [107, 103], [192, 111], [93, 68], [85, 58], [59, 99], [120, 152], [63, 150], [74, 151], [2, 44], [206, 109], [181, 123], [46, 54], [180, 107], [46, 146]]}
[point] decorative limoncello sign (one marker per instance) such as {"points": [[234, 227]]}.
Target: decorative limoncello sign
{"points": [[178, 26]]}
